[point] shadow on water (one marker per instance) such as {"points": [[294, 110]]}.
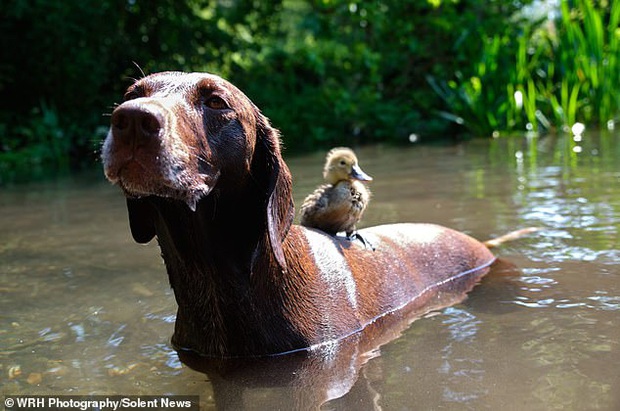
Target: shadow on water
{"points": [[84, 310]]}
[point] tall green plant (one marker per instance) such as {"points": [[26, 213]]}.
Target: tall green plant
{"points": [[557, 75], [477, 101], [588, 53]]}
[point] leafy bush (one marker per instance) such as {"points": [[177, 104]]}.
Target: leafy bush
{"points": [[341, 72], [326, 72], [35, 146], [78, 56]]}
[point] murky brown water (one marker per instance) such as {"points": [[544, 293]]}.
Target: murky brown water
{"points": [[84, 310]]}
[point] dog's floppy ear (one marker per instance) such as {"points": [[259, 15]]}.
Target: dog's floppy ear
{"points": [[141, 221], [280, 208]]}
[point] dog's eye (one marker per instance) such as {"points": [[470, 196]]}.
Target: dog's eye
{"points": [[216, 103], [131, 94]]}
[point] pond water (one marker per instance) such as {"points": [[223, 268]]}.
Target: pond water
{"points": [[85, 310]]}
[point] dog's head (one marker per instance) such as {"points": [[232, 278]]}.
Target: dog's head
{"points": [[183, 135]]}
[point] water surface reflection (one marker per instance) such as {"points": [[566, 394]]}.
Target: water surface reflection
{"points": [[87, 311]]}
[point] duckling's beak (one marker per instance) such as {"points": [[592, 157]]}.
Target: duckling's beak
{"points": [[358, 174]]}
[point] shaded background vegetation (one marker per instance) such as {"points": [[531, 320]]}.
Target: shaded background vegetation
{"points": [[325, 71]]}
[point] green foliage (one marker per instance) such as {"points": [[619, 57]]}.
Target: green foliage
{"points": [[341, 72], [550, 76], [589, 56], [38, 145], [326, 72], [478, 101], [78, 56]]}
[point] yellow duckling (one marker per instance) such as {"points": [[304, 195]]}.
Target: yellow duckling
{"points": [[338, 205]]}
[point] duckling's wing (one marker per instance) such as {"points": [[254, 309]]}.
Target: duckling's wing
{"points": [[328, 209], [314, 204], [319, 210], [318, 199]]}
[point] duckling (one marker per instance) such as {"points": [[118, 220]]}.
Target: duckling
{"points": [[339, 204]]}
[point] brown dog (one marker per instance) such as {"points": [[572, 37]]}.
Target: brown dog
{"points": [[202, 170]]}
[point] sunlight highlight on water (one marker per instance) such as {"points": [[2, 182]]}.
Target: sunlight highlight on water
{"points": [[86, 310]]}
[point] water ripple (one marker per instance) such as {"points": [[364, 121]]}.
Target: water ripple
{"points": [[462, 324], [604, 303]]}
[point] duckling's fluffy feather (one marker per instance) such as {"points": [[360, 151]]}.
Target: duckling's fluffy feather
{"points": [[338, 206]]}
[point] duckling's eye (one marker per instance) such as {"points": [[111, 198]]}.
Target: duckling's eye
{"points": [[343, 163]]}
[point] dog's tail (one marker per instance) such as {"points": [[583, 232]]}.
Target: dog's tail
{"points": [[513, 235]]}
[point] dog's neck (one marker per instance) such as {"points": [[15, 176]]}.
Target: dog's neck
{"points": [[223, 274]]}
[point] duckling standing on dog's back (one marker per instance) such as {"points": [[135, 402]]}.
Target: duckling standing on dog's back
{"points": [[338, 205]]}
